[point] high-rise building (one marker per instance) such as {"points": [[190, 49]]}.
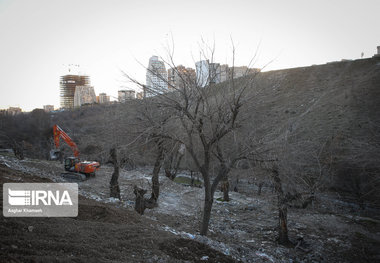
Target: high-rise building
{"points": [[156, 78], [48, 108], [84, 95], [103, 98], [180, 76], [207, 73], [68, 83], [124, 95], [202, 72]]}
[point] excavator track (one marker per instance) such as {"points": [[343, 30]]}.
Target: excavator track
{"points": [[77, 177]]}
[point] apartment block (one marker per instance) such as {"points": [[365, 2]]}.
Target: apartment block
{"points": [[124, 95], [180, 77], [84, 95], [103, 98], [156, 78]]}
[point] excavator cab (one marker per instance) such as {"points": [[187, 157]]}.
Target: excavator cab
{"points": [[55, 154], [70, 163]]}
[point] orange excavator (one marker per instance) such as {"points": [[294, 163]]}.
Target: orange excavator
{"points": [[75, 169]]}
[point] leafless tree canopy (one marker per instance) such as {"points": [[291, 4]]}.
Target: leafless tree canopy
{"points": [[202, 119]]}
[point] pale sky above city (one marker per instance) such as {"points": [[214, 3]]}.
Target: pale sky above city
{"points": [[39, 38]]}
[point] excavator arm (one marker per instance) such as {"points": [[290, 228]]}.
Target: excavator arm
{"points": [[59, 133]]}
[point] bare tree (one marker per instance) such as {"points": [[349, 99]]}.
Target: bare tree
{"points": [[229, 153], [152, 120], [200, 118]]}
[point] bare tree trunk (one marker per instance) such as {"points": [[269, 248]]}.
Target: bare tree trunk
{"points": [[283, 238], [209, 193], [283, 224], [139, 201], [225, 185], [155, 177], [114, 184], [223, 175], [226, 189], [206, 210]]}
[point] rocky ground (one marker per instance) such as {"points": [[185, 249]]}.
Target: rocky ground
{"points": [[243, 229]]}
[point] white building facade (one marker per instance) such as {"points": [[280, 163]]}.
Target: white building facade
{"points": [[103, 98], [124, 95], [156, 78], [207, 73]]}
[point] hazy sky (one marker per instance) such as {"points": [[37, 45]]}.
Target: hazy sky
{"points": [[38, 38]]}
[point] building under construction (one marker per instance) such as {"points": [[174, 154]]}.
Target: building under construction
{"points": [[68, 83]]}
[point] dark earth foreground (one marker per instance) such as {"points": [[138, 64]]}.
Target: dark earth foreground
{"points": [[100, 233]]}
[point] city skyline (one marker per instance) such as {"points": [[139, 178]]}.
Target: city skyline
{"points": [[40, 38]]}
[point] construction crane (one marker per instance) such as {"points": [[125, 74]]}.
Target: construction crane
{"points": [[75, 169]]}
